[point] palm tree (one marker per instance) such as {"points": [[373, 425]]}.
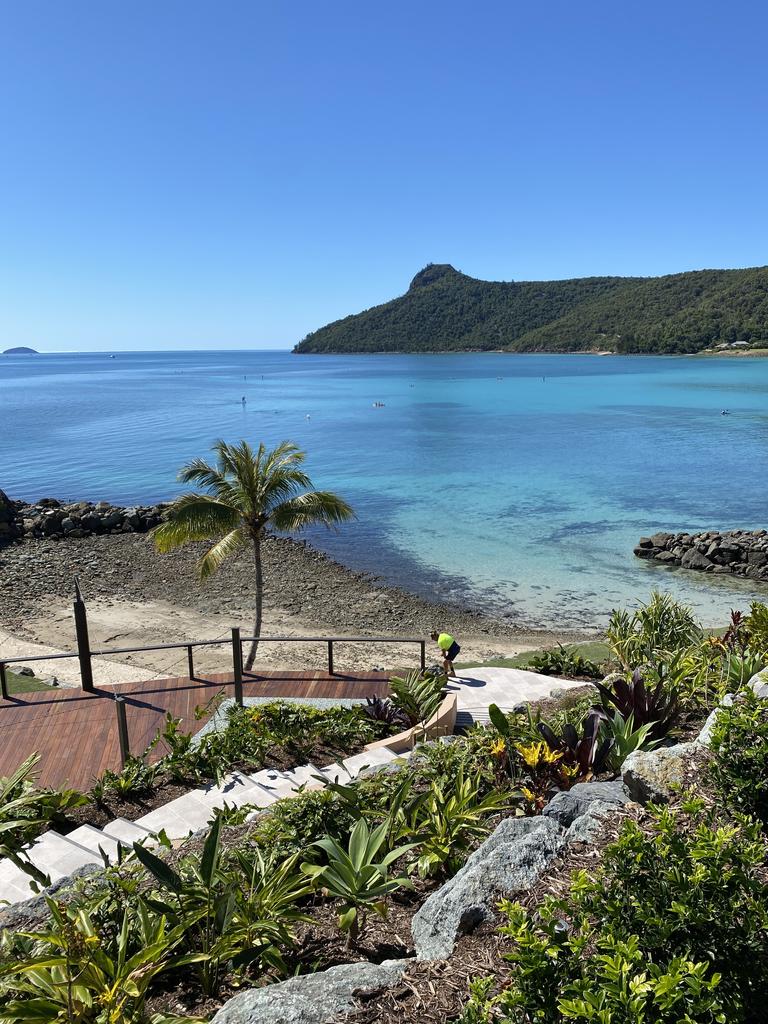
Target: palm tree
{"points": [[249, 493]]}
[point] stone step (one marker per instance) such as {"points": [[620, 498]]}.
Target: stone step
{"points": [[351, 767], [14, 883], [235, 790], [59, 856], [282, 783], [276, 783], [178, 819], [127, 832], [93, 839]]}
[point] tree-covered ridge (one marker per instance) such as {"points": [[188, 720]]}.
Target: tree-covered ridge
{"points": [[445, 310]]}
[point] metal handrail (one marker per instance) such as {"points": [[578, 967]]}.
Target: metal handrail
{"points": [[235, 640]]}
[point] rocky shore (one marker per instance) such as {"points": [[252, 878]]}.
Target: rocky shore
{"points": [[138, 596], [58, 520], [734, 552]]}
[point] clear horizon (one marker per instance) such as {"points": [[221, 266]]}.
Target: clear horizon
{"points": [[191, 177]]}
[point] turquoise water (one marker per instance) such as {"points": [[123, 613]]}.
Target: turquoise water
{"points": [[521, 482]]}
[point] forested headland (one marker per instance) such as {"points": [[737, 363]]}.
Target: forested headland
{"points": [[445, 310]]}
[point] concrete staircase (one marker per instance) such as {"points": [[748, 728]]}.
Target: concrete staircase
{"points": [[58, 856]]}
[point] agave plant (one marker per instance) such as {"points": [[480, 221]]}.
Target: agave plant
{"points": [[588, 753], [657, 708], [627, 737], [356, 878]]}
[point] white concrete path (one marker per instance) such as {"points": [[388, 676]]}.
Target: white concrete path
{"points": [[477, 688]]}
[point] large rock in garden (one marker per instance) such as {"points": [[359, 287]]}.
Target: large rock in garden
{"points": [[508, 862], [587, 827], [652, 776], [309, 998], [565, 808]]}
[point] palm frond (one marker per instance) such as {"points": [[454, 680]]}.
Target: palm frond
{"points": [[194, 517], [310, 508], [214, 556]]}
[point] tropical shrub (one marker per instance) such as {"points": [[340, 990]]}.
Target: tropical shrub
{"points": [[446, 822], [739, 767], [629, 698], [135, 779], [78, 971], [26, 811], [651, 633], [226, 915], [418, 695], [672, 928], [563, 661], [356, 878], [586, 751], [383, 710]]}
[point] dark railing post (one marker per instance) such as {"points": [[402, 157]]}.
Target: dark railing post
{"points": [[122, 730], [237, 665], [3, 681], [330, 657], [190, 662], [423, 645], [83, 644]]}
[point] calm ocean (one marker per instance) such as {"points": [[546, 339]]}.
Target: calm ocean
{"points": [[521, 482]]}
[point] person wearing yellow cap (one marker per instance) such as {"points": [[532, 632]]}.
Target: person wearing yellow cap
{"points": [[448, 649]]}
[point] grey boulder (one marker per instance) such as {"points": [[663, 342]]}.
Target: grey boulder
{"points": [[652, 776], [509, 862], [565, 808], [588, 826], [310, 998]]}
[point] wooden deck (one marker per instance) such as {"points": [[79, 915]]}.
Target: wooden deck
{"points": [[75, 733]]}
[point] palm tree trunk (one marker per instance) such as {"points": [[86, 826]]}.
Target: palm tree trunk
{"points": [[259, 580]]}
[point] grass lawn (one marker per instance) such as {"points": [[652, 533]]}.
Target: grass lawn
{"points": [[24, 684], [592, 650]]}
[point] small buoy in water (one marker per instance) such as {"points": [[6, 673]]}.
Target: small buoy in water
{"points": [[307, 417], [243, 399], [725, 413]]}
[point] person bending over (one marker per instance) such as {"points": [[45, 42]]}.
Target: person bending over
{"points": [[448, 649]]}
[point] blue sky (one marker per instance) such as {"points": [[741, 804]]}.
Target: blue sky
{"points": [[197, 174]]}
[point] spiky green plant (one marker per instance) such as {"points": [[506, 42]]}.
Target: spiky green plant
{"points": [[248, 494]]}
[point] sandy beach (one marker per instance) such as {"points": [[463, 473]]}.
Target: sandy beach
{"points": [[137, 597]]}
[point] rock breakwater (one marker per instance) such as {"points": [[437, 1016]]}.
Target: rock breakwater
{"points": [[734, 552], [58, 520]]}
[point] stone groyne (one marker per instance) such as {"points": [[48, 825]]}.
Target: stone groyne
{"points": [[58, 520], [736, 552]]}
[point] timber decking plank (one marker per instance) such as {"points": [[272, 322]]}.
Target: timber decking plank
{"points": [[76, 733]]}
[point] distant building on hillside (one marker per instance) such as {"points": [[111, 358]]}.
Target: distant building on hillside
{"points": [[739, 344]]}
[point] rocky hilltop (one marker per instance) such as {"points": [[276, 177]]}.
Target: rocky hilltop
{"points": [[738, 552], [445, 310]]}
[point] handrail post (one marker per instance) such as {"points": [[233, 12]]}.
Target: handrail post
{"points": [[83, 644], [3, 681], [330, 658], [423, 645], [190, 662], [237, 664], [122, 730]]}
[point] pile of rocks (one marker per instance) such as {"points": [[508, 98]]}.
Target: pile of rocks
{"points": [[58, 520], [739, 552]]}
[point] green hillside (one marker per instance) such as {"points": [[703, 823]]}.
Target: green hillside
{"points": [[445, 310]]}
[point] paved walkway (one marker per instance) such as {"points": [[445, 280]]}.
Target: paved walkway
{"points": [[477, 688]]}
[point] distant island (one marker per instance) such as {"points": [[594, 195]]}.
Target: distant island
{"points": [[21, 350], [445, 310]]}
